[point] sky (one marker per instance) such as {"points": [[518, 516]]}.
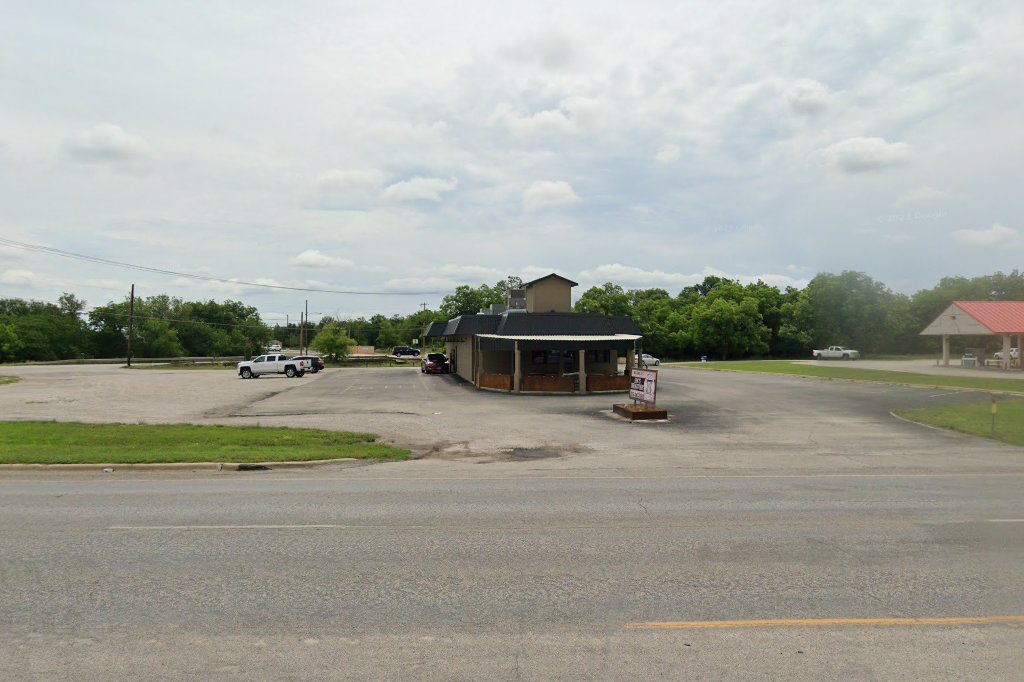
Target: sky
{"points": [[397, 150]]}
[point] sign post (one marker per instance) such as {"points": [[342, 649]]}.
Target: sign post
{"points": [[643, 385], [643, 388]]}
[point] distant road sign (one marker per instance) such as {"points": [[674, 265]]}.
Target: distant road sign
{"points": [[643, 385]]}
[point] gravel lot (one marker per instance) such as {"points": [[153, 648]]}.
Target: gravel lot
{"points": [[719, 422]]}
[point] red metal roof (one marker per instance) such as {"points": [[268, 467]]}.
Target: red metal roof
{"points": [[1001, 317]]}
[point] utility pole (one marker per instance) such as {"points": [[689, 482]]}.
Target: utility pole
{"points": [[131, 324], [307, 320], [423, 305]]}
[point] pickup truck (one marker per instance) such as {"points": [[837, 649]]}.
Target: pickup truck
{"points": [[273, 363], [836, 353]]}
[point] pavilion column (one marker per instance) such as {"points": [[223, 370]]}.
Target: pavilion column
{"points": [[517, 370], [630, 360], [945, 350], [1005, 362], [583, 371]]}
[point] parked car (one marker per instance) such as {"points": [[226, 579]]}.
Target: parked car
{"points": [[399, 351], [1014, 354], [647, 360], [274, 348], [272, 364], [434, 363], [313, 362], [836, 353]]}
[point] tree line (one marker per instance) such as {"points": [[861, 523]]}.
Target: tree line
{"points": [[719, 317]]}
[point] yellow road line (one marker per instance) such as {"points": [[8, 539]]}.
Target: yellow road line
{"points": [[816, 622]]}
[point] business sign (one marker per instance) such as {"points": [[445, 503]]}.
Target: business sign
{"points": [[643, 385]]}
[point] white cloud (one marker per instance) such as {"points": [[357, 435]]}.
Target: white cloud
{"points": [[668, 154], [27, 278], [419, 189], [919, 195], [808, 97], [344, 188], [997, 235], [547, 194], [551, 50], [231, 287], [540, 123], [630, 277], [864, 154], [108, 145], [311, 258]]}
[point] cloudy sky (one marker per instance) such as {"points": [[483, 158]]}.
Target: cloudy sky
{"points": [[406, 148]]}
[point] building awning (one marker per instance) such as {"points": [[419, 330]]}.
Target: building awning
{"points": [[558, 342]]}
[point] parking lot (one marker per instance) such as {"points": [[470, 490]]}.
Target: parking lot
{"points": [[719, 422]]}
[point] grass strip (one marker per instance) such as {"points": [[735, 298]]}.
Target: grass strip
{"points": [[9, 380], [855, 374], [975, 419], [75, 443]]}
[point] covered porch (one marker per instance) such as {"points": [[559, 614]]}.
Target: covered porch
{"points": [[1003, 320], [553, 363]]}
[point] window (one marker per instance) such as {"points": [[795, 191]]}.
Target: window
{"points": [[599, 356]]}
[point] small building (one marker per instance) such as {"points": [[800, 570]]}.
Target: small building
{"points": [[535, 343], [1003, 319]]}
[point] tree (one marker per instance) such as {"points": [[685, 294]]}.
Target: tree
{"points": [[333, 342], [608, 299], [10, 344], [727, 329], [466, 300], [851, 309]]}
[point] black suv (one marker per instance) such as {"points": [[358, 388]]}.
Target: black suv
{"points": [[399, 351], [315, 363]]}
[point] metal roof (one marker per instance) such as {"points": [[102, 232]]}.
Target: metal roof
{"points": [[435, 329], [1001, 317], [565, 324], [972, 318], [563, 337]]}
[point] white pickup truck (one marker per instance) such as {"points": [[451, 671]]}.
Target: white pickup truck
{"points": [[272, 363], [836, 353]]}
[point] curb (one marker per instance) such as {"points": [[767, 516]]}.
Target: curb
{"points": [[177, 466]]}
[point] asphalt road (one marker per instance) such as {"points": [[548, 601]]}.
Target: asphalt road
{"points": [[536, 539]]}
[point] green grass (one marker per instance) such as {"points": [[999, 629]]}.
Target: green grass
{"points": [[845, 371], [975, 419], [9, 380], [75, 443]]}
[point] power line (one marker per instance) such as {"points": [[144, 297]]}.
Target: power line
{"points": [[145, 268], [344, 323]]}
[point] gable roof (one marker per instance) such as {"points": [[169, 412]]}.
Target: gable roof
{"points": [[1001, 317], [541, 279], [979, 317]]}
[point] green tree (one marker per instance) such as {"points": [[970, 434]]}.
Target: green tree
{"points": [[727, 329], [608, 299], [10, 344], [333, 342]]}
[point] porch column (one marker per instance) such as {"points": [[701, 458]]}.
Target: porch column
{"points": [[479, 361], [630, 360], [1005, 362], [583, 371], [517, 371], [945, 350]]}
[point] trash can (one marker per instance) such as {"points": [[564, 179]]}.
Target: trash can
{"points": [[970, 362]]}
